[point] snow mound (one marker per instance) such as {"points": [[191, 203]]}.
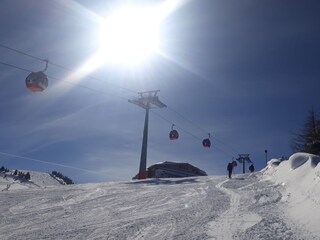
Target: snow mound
{"points": [[300, 177], [274, 162], [298, 159]]}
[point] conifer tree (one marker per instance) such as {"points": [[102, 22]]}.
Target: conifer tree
{"points": [[64, 178], [309, 139], [27, 176]]}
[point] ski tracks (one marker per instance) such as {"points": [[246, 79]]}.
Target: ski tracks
{"points": [[256, 212], [233, 221]]}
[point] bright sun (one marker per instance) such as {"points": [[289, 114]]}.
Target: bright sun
{"points": [[129, 35]]}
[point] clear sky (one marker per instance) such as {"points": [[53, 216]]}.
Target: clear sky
{"points": [[247, 72]]}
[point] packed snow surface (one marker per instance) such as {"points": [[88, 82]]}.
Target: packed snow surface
{"points": [[279, 202]]}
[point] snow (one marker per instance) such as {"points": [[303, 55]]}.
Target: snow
{"points": [[300, 175], [279, 202], [299, 159], [38, 180]]}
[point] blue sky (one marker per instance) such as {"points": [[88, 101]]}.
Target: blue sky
{"points": [[247, 72]]}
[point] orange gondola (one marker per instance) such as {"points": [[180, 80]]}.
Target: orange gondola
{"points": [[37, 81]]}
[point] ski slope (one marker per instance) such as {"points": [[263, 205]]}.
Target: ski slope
{"points": [[272, 204]]}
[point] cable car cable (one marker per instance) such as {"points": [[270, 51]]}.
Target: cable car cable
{"points": [[68, 82], [21, 52], [197, 126], [67, 69], [194, 136], [163, 118], [83, 86], [188, 120], [46, 162], [60, 66], [125, 99], [14, 66]]}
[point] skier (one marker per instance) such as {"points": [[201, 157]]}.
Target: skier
{"points": [[251, 168], [230, 167]]}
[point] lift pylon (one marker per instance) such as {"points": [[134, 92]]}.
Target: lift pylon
{"points": [[147, 100], [243, 158]]}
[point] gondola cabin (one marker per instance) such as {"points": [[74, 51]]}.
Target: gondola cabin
{"points": [[173, 135], [37, 81], [206, 143]]}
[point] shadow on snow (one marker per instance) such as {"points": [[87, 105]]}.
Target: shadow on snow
{"points": [[158, 181]]}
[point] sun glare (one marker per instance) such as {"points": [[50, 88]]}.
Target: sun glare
{"points": [[129, 35]]}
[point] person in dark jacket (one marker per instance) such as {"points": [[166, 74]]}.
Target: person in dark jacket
{"points": [[251, 168], [230, 167]]}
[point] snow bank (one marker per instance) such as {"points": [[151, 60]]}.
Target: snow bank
{"points": [[299, 159], [300, 176]]}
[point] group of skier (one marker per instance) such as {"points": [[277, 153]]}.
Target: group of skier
{"points": [[233, 164]]}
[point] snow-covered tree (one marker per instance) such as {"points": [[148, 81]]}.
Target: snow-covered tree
{"points": [[27, 176], [64, 178], [309, 139]]}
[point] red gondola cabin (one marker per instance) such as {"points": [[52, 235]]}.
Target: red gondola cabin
{"points": [[173, 135], [37, 81], [206, 143]]}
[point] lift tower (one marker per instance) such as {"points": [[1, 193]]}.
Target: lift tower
{"points": [[146, 100], [243, 158]]}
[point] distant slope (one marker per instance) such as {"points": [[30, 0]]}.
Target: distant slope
{"points": [[9, 181]]}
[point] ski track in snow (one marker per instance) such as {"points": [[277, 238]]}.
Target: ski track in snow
{"points": [[243, 208], [155, 209], [233, 221], [255, 212]]}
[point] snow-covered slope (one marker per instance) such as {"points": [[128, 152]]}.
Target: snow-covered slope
{"points": [[9, 181], [256, 206]]}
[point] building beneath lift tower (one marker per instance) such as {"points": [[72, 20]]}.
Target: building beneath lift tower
{"points": [[173, 170]]}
